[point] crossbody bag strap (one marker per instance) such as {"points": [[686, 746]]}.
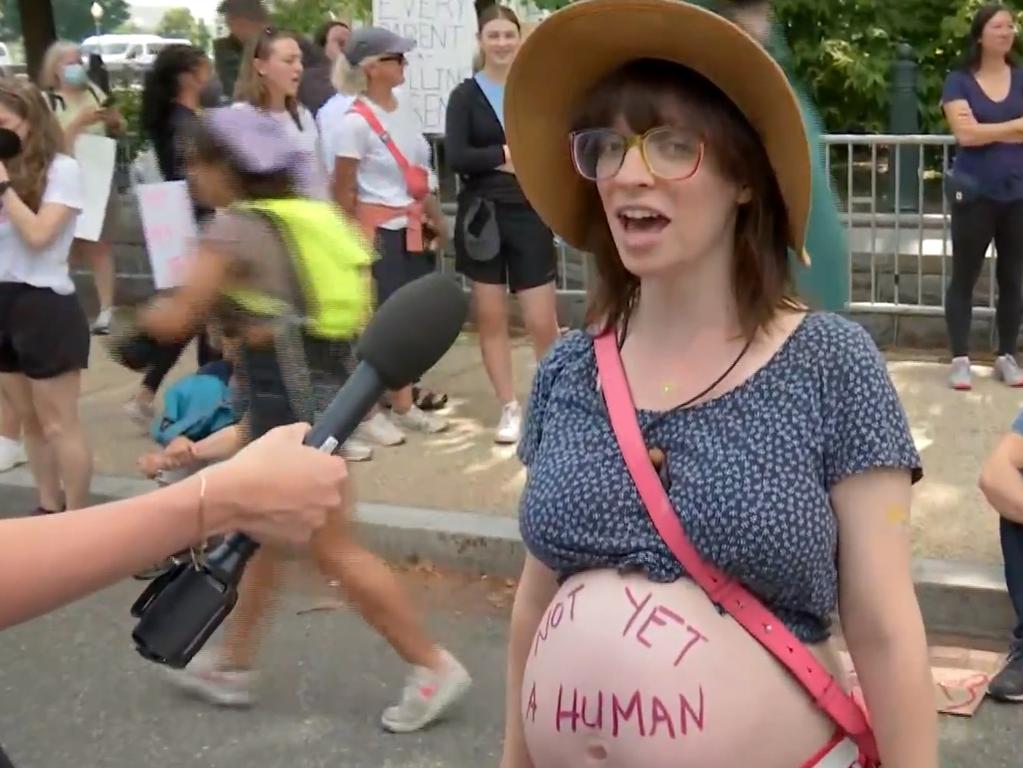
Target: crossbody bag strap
{"points": [[725, 592], [362, 108]]}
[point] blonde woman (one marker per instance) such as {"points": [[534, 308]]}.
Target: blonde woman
{"points": [[82, 107], [270, 76], [44, 336], [382, 179]]}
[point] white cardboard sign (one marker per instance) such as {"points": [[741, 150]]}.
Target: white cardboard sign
{"points": [[168, 224]]}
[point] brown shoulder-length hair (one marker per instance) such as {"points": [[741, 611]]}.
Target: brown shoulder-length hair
{"points": [[647, 93], [29, 170], [250, 87]]}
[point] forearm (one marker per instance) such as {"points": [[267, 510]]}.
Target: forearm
{"points": [[431, 205], [525, 618], [1003, 489], [47, 562], [219, 446], [469, 160], [980, 134], [897, 684], [36, 231]]}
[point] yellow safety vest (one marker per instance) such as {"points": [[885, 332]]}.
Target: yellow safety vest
{"points": [[331, 261]]}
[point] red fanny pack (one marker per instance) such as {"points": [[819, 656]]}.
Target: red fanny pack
{"points": [[417, 179], [725, 592]]}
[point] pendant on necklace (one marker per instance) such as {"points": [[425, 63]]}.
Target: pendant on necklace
{"points": [[660, 463]]}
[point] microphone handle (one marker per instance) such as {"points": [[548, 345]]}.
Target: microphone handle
{"points": [[346, 411], [348, 408]]}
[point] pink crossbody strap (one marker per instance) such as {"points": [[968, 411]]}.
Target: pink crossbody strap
{"points": [[724, 591], [363, 109]]}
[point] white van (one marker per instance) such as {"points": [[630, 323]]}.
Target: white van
{"points": [[121, 52]]}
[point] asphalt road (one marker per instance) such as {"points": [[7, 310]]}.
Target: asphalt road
{"points": [[73, 692]]}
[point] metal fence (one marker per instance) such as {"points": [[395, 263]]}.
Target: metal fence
{"points": [[890, 194]]}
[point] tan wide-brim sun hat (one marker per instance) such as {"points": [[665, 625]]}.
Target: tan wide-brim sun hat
{"points": [[572, 50]]}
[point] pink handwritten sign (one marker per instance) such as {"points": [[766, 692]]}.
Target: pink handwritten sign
{"points": [[170, 231]]}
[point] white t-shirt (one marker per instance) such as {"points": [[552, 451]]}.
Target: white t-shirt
{"points": [[328, 120], [308, 140], [380, 179], [47, 267]]}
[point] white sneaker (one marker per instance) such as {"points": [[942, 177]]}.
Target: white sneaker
{"points": [[1007, 370], [141, 415], [355, 449], [12, 454], [510, 428], [427, 696], [225, 688], [380, 430], [417, 420], [101, 325]]}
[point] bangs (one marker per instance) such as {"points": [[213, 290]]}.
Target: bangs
{"points": [[648, 93]]}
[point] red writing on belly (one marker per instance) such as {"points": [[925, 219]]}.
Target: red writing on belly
{"points": [[657, 614], [531, 706], [555, 615], [631, 713]]}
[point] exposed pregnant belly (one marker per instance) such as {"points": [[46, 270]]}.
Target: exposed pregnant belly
{"points": [[627, 673]]}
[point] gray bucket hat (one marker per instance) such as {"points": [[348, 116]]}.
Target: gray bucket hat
{"points": [[375, 41]]}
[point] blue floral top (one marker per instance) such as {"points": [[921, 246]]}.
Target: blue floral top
{"points": [[751, 470]]}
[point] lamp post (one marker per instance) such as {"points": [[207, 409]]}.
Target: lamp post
{"points": [[97, 15]]}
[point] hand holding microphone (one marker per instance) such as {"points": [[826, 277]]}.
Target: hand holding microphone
{"points": [[408, 335], [276, 490]]}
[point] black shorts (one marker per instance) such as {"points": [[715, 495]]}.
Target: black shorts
{"points": [[282, 388], [43, 334], [527, 258], [396, 265]]}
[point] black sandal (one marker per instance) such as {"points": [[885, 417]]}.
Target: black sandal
{"points": [[426, 400]]}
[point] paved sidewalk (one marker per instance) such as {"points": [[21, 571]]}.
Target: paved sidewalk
{"points": [[463, 470]]}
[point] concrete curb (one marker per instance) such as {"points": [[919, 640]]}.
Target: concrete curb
{"points": [[957, 598]]}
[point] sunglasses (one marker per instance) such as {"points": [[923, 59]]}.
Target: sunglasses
{"points": [[395, 57], [267, 33]]}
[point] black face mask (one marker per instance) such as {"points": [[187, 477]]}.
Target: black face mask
{"points": [[10, 144]]}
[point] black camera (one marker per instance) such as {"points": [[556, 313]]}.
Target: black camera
{"points": [[181, 608]]}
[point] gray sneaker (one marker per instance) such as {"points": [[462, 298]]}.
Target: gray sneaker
{"points": [[959, 376], [1007, 685], [427, 696], [1008, 371]]}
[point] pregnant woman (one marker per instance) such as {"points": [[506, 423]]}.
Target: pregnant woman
{"points": [[709, 465]]}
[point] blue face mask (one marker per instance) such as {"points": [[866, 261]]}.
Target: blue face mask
{"points": [[75, 75]]}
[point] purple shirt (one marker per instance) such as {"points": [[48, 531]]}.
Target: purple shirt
{"points": [[996, 168]]}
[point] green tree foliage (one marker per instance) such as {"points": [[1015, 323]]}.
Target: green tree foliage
{"points": [[178, 22], [843, 51], [307, 16], [73, 17]]}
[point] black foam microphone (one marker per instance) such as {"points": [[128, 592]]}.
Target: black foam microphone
{"points": [[10, 144], [410, 332]]}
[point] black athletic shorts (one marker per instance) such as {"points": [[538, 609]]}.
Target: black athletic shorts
{"points": [[43, 334], [526, 259], [396, 265], [294, 380]]}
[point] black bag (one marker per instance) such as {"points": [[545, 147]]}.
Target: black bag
{"points": [[960, 188]]}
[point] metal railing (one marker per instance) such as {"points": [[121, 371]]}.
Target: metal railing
{"points": [[892, 200], [890, 194]]}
